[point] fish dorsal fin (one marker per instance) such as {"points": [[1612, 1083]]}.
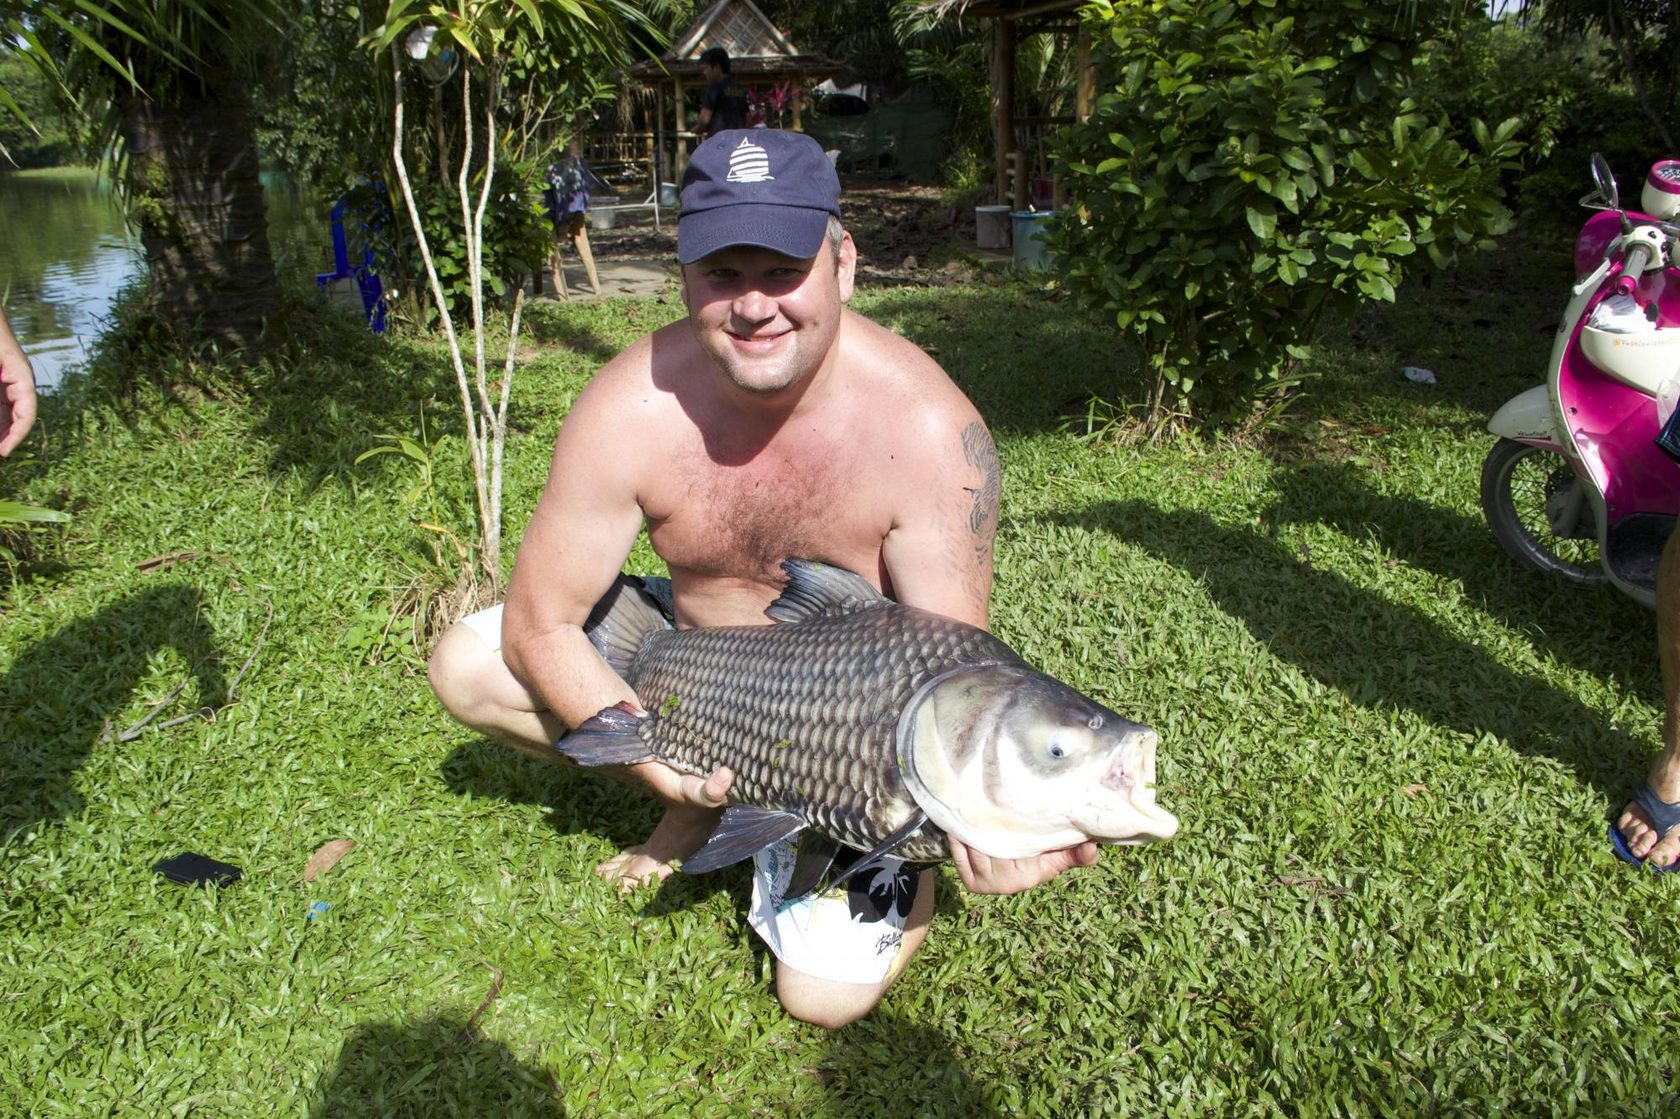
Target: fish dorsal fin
{"points": [[816, 590], [619, 624], [745, 830], [872, 861]]}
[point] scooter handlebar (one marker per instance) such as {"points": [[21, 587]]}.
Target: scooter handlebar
{"points": [[1634, 264]]}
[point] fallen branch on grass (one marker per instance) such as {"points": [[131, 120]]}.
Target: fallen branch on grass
{"points": [[466, 1033], [206, 712]]}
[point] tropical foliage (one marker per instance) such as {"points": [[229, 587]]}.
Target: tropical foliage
{"points": [[480, 48], [1250, 167], [34, 135], [163, 87], [1644, 36]]}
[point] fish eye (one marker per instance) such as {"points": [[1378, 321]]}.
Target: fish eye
{"points": [[1057, 750]]}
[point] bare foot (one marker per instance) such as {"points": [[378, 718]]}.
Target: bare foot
{"points": [[1636, 827], [681, 832]]}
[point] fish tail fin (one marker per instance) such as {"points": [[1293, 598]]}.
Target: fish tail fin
{"points": [[631, 610], [611, 737]]}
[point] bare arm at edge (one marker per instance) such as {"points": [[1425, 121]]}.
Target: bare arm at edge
{"points": [[17, 390]]}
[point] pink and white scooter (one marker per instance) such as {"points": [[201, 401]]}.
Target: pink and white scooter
{"points": [[1585, 479], [1577, 484]]}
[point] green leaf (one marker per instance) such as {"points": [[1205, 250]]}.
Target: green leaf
{"points": [[15, 512], [1262, 220], [1377, 287]]}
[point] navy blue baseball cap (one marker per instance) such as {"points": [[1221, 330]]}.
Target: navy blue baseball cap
{"points": [[757, 186]]}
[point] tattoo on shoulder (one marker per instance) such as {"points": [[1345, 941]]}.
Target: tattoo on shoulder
{"points": [[981, 454]]}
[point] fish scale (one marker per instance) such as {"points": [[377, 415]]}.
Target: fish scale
{"points": [[816, 729]]}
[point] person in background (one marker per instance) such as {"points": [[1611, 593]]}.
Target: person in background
{"points": [[724, 104], [17, 390]]}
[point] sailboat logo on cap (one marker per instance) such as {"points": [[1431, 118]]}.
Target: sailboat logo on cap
{"points": [[749, 163]]}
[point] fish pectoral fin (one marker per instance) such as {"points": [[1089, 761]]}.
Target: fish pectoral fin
{"points": [[816, 856], [871, 861], [745, 830], [610, 737]]}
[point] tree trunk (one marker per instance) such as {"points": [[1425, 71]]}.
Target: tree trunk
{"points": [[196, 195]]}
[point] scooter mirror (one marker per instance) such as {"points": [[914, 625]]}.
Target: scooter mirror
{"points": [[1606, 181]]}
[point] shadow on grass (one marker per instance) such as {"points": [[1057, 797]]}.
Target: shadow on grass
{"points": [[891, 1066], [1029, 359], [563, 328], [318, 415], [1565, 621], [435, 1067], [578, 802], [346, 386], [61, 691], [1373, 651], [583, 803]]}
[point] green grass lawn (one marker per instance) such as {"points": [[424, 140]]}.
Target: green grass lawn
{"points": [[1391, 748]]}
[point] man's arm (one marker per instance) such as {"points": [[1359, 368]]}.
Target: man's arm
{"points": [[939, 549], [939, 556], [582, 530], [17, 390], [581, 533]]}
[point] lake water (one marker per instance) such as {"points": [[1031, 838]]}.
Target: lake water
{"points": [[65, 255]]}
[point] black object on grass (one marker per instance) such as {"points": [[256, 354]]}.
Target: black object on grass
{"points": [[189, 868]]}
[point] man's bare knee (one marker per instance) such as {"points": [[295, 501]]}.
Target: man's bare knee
{"points": [[825, 1002], [476, 688], [456, 672]]}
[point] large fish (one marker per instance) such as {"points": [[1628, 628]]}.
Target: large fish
{"points": [[869, 725]]}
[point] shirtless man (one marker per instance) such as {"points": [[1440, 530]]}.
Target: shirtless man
{"points": [[773, 422]]}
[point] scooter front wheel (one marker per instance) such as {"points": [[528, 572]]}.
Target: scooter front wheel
{"points": [[1539, 511]]}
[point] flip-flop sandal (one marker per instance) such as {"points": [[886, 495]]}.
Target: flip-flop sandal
{"points": [[1665, 817]]}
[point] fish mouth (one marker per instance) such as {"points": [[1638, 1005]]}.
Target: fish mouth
{"points": [[1137, 818]]}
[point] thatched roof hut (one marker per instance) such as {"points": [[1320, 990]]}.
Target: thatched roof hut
{"points": [[760, 56]]}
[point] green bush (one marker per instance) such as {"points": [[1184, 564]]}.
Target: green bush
{"points": [[46, 144], [517, 238], [1250, 166], [1572, 95]]}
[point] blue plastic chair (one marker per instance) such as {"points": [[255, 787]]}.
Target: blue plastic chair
{"points": [[367, 280]]}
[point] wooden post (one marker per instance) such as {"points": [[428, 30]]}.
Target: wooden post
{"points": [[1085, 92], [1003, 105], [658, 132], [681, 136]]}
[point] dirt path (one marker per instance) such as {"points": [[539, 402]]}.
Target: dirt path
{"points": [[904, 234]]}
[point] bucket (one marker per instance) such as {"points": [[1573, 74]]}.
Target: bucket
{"points": [[991, 227], [1029, 228], [668, 195]]}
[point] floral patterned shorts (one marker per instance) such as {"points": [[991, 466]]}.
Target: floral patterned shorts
{"points": [[850, 934]]}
